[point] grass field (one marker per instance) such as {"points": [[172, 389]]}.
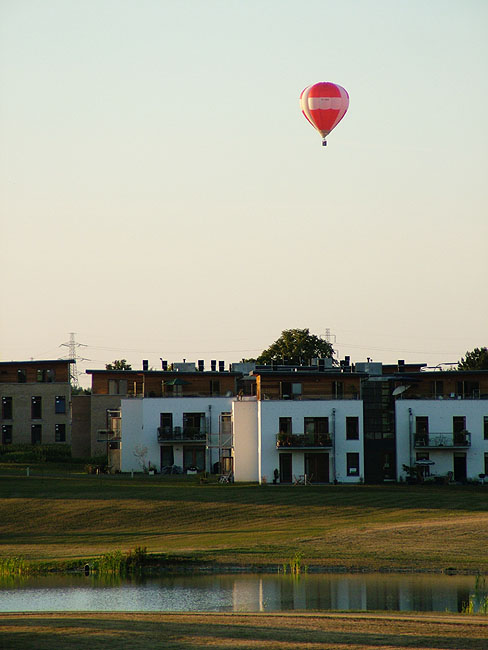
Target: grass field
{"points": [[419, 528], [241, 631]]}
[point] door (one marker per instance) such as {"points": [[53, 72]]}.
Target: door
{"points": [[317, 467], [460, 468], [194, 457], [285, 468], [167, 457]]}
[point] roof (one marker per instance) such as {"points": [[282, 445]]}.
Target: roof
{"points": [[36, 362]]}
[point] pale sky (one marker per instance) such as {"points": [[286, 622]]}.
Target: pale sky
{"points": [[163, 196]]}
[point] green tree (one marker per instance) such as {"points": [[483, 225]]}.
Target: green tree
{"points": [[118, 364], [296, 346], [475, 360]]}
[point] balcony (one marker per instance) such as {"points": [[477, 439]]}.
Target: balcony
{"points": [[179, 434], [459, 440], [303, 440]]}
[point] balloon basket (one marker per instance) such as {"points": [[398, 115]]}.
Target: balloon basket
{"points": [[324, 143]]}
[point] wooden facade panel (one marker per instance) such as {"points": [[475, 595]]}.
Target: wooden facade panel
{"points": [[159, 384], [340, 386], [35, 372]]}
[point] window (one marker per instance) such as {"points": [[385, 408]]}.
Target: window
{"points": [[166, 423], [485, 427], [437, 388], [486, 464], [352, 428], [338, 389], [290, 390], [421, 430], [21, 376], [458, 423], [60, 404], [36, 434], [285, 425], [6, 434], [352, 461], [422, 424], [316, 425], [40, 375], [214, 387], [194, 425], [7, 411], [60, 433], [36, 408]]}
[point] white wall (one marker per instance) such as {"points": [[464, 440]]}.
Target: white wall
{"points": [[131, 435], [246, 447], [141, 419], [336, 410], [440, 414]]}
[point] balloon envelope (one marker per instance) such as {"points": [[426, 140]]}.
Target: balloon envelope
{"points": [[324, 104]]}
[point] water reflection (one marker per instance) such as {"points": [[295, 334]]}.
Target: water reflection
{"points": [[240, 593]]}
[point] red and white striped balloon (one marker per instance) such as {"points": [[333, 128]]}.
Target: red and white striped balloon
{"points": [[324, 104]]}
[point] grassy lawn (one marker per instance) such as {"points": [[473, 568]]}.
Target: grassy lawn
{"points": [[241, 632], [369, 527]]}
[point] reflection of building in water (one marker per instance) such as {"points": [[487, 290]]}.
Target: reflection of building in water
{"points": [[350, 592]]}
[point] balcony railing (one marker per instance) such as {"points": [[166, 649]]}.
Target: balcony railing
{"points": [[305, 397], [303, 440], [181, 434], [437, 440]]}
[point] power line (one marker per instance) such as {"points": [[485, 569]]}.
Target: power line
{"points": [[72, 346]]}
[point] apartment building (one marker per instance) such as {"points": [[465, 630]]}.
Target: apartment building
{"points": [[35, 402], [168, 412], [442, 424], [305, 424]]}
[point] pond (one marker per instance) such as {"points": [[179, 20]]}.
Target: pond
{"points": [[243, 593]]}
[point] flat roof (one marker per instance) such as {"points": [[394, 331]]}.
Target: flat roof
{"points": [[37, 362]]}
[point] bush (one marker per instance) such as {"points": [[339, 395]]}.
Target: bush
{"points": [[34, 453]]}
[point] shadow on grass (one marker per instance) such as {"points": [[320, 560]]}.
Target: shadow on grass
{"points": [[163, 488], [184, 632]]}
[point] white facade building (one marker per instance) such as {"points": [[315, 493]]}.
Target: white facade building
{"points": [[322, 439], [191, 432], [451, 433]]}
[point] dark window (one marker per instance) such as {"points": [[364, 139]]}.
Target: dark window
{"points": [[458, 423], [437, 388], [422, 424], [36, 434], [486, 464], [50, 375], [194, 457], [41, 375], [352, 461], [36, 408], [338, 389], [290, 390], [316, 425], [60, 404], [7, 410], [21, 376], [352, 428], [214, 387], [285, 425], [167, 457], [60, 433], [485, 427], [194, 424], [6, 434], [166, 423]]}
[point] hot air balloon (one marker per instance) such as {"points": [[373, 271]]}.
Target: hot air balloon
{"points": [[324, 104]]}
